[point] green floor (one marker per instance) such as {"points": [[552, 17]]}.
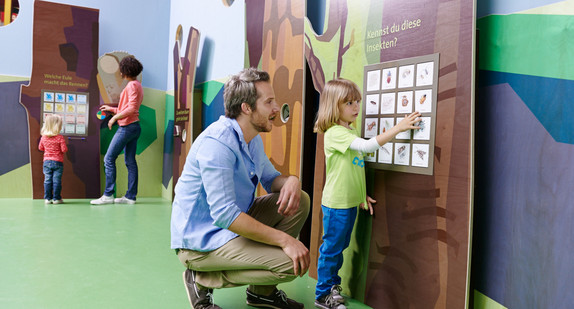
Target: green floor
{"points": [[79, 256]]}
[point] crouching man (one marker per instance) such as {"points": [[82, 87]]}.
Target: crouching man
{"points": [[222, 233]]}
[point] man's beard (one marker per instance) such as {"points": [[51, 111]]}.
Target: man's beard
{"points": [[260, 124]]}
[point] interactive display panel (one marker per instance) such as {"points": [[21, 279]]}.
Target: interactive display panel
{"points": [[71, 106], [393, 90]]}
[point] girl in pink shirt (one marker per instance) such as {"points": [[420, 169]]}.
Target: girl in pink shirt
{"points": [[126, 138], [53, 145]]}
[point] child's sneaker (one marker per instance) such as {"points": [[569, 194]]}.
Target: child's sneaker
{"points": [[124, 200], [327, 302], [57, 201], [336, 294], [47, 202], [103, 200]]}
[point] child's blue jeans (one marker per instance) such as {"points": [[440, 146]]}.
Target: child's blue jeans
{"points": [[53, 179], [337, 227], [126, 139]]}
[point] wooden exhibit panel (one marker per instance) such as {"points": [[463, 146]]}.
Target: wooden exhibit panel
{"points": [[187, 112], [110, 81], [334, 42], [63, 81], [418, 255], [274, 37]]}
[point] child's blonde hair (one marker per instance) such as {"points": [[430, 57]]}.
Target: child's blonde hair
{"points": [[336, 91], [52, 125]]}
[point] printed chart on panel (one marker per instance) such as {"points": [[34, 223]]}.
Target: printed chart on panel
{"points": [[71, 106], [391, 91]]}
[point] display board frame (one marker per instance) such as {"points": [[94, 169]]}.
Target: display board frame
{"points": [[392, 90], [72, 106]]}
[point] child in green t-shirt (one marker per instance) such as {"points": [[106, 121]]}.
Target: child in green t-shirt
{"points": [[345, 187]]}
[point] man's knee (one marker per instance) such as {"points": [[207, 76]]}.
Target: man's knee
{"points": [[305, 203]]}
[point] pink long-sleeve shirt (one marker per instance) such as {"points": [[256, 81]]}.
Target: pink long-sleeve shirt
{"points": [[53, 147], [130, 101]]}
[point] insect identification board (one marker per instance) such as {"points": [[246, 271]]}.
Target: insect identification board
{"points": [[391, 91]]}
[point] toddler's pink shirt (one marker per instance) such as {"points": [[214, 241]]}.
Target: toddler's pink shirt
{"points": [[53, 147]]}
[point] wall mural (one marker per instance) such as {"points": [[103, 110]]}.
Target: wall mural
{"points": [[187, 121], [418, 241], [63, 81], [275, 44], [522, 248], [111, 84], [14, 151]]}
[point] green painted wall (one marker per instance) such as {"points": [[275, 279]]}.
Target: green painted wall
{"points": [[499, 46]]}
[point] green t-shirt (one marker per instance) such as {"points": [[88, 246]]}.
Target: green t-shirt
{"points": [[345, 170]]}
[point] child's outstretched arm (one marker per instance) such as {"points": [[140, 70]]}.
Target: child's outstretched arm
{"points": [[372, 144]]}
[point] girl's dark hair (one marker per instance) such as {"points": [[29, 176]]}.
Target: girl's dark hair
{"points": [[130, 66]]}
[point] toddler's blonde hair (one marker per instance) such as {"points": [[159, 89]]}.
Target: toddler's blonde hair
{"points": [[52, 125], [336, 91]]}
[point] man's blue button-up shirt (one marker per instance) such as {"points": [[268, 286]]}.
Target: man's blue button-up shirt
{"points": [[218, 182]]}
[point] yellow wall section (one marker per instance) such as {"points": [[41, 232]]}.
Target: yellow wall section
{"points": [[559, 8], [17, 183], [482, 301], [7, 12], [4, 78]]}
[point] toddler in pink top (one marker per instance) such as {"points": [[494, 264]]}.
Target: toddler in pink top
{"points": [[53, 145]]}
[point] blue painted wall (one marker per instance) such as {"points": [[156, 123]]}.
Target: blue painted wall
{"points": [[139, 27], [502, 7], [523, 231], [222, 37]]}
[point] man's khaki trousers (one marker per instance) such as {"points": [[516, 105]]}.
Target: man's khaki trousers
{"points": [[242, 261]]}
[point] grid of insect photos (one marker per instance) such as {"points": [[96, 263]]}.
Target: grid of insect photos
{"points": [[391, 92], [71, 106]]}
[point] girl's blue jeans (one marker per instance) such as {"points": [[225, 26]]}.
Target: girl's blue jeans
{"points": [[126, 139], [337, 227], [53, 179]]}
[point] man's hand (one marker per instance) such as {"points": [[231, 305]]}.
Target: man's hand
{"points": [[289, 196], [299, 254]]}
